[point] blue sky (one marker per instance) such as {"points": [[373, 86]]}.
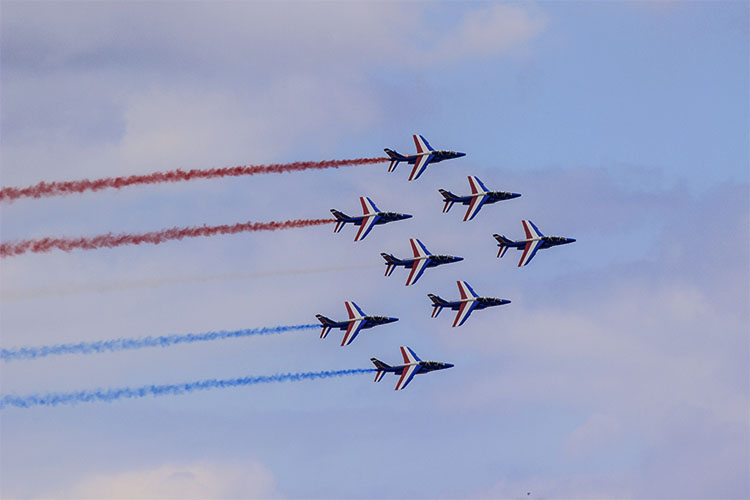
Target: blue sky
{"points": [[618, 370]]}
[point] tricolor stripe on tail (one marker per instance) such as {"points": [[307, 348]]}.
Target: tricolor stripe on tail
{"points": [[327, 323], [503, 242], [449, 199], [390, 263], [437, 304], [382, 368], [395, 159]]}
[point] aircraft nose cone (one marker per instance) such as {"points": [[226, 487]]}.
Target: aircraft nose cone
{"points": [[516, 195], [391, 320], [459, 155], [571, 240], [458, 259], [407, 216], [449, 365]]}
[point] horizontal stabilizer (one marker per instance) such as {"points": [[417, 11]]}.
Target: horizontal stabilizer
{"points": [[394, 155], [437, 304], [379, 364], [325, 321], [341, 220], [502, 239], [449, 199]]}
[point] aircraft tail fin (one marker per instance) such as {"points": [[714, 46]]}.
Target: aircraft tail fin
{"points": [[395, 159], [341, 219], [437, 304], [390, 262], [382, 367], [327, 324], [503, 242], [449, 199]]}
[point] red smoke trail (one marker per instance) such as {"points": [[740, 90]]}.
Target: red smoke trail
{"points": [[67, 187], [155, 237]]}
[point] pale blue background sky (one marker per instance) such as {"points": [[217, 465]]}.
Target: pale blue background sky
{"points": [[619, 370]]}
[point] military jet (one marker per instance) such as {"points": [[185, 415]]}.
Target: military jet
{"points": [[479, 196], [371, 217], [357, 321], [465, 305], [425, 154], [533, 242], [421, 261], [412, 365]]}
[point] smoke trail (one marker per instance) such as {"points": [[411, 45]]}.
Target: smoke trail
{"points": [[109, 395], [123, 344], [110, 240], [74, 288], [67, 187]]}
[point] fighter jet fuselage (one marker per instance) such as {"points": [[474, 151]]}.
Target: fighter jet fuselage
{"points": [[412, 366], [424, 156], [422, 260], [534, 241]]}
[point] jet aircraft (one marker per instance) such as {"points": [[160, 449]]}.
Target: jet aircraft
{"points": [[465, 305], [412, 366], [479, 196], [425, 154], [421, 261], [533, 242], [371, 217], [357, 321]]}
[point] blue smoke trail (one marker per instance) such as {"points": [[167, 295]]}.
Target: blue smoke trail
{"points": [[122, 344], [109, 395]]}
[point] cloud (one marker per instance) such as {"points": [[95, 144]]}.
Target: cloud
{"points": [[258, 36], [643, 351], [489, 31], [179, 481]]}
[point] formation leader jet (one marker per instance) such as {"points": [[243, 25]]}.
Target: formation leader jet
{"points": [[479, 196], [357, 321], [425, 155], [465, 305], [412, 366], [421, 261], [370, 218], [533, 242]]}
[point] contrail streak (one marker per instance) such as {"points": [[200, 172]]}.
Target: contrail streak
{"points": [[58, 188], [75, 288], [109, 240], [123, 344], [109, 395]]}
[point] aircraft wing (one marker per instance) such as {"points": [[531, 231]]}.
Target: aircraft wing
{"points": [[406, 375], [474, 205], [464, 311], [419, 165], [529, 251], [367, 224], [417, 269], [352, 331]]}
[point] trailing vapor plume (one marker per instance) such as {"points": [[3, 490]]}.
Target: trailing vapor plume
{"points": [[109, 395], [123, 344], [109, 240], [58, 188], [88, 287]]}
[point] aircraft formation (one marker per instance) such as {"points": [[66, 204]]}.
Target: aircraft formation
{"points": [[422, 259], [355, 322]]}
